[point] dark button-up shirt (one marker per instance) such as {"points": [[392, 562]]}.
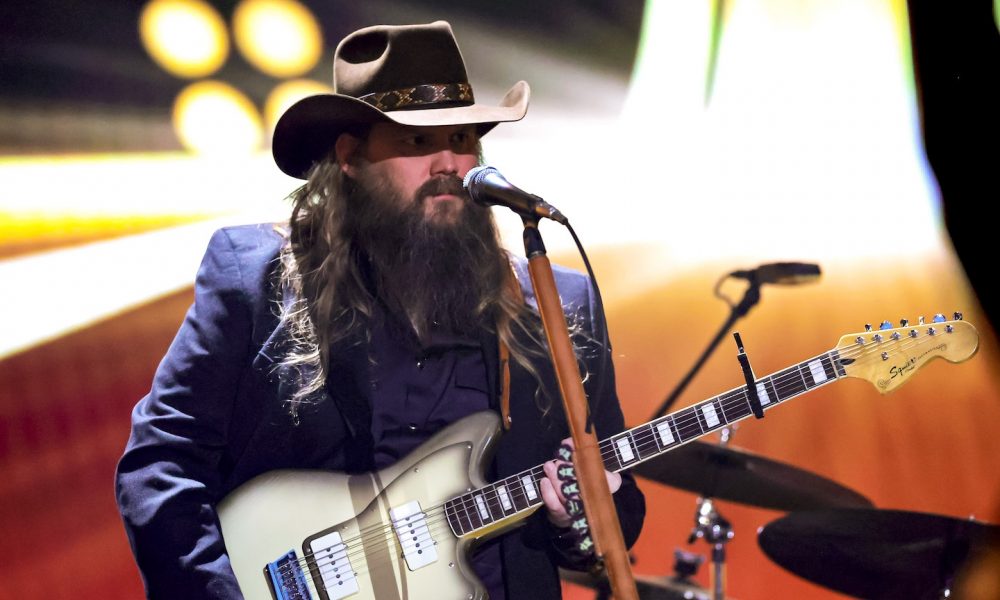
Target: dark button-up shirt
{"points": [[415, 391]]}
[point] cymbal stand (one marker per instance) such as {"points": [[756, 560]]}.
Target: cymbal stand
{"points": [[717, 531]]}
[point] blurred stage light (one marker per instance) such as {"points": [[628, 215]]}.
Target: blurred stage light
{"points": [[186, 197], [288, 93], [212, 117], [186, 37], [279, 37]]}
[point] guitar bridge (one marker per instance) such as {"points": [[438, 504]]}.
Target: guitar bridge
{"points": [[286, 578], [327, 562]]}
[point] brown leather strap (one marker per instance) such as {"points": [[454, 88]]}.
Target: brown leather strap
{"points": [[505, 382], [515, 288]]}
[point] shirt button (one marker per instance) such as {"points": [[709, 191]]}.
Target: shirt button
{"points": [[420, 364], [413, 426]]}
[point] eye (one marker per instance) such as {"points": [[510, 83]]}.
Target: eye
{"points": [[463, 140], [416, 140]]}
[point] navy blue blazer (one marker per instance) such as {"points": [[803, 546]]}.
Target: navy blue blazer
{"points": [[215, 417]]}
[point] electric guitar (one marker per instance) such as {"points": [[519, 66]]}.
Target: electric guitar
{"points": [[406, 531]]}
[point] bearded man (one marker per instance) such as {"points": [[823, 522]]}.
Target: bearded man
{"points": [[384, 311]]}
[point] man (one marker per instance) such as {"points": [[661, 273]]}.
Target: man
{"points": [[376, 318]]}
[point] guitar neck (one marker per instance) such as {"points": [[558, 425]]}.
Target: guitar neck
{"points": [[512, 497]]}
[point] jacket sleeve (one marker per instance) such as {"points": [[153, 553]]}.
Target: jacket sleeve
{"points": [[168, 481]]}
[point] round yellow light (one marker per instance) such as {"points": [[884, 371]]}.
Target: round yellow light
{"points": [[279, 37], [288, 93], [186, 37], [211, 117]]}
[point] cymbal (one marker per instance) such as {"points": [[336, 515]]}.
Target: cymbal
{"points": [[648, 587], [871, 553], [727, 473]]}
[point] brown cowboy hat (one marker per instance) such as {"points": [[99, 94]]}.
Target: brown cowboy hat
{"points": [[409, 74]]}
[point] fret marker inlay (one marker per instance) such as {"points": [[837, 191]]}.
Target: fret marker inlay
{"points": [[529, 487], [504, 498], [481, 505], [711, 417], [762, 394], [817, 370], [625, 453], [666, 437]]}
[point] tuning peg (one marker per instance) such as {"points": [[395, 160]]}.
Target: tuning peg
{"points": [[904, 322], [920, 320], [939, 318], [885, 325], [958, 316], [868, 326]]}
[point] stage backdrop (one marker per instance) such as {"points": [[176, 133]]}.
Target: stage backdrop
{"points": [[684, 140]]}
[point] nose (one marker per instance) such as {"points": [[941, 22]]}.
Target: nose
{"points": [[444, 163]]}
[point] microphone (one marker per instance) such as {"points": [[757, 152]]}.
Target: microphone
{"points": [[781, 273], [487, 186]]}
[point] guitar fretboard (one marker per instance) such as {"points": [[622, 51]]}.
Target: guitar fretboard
{"points": [[503, 499]]}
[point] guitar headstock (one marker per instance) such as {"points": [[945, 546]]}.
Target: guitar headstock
{"points": [[889, 356]]}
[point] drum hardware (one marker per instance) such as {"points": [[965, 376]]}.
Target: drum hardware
{"points": [[722, 472], [876, 554], [715, 529]]}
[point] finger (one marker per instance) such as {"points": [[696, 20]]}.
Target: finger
{"points": [[556, 511], [551, 473], [614, 481]]}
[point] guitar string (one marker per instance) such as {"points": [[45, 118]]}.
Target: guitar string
{"points": [[646, 439], [739, 397], [642, 442]]}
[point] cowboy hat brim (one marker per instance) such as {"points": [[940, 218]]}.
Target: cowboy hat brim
{"points": [[308, 130]]}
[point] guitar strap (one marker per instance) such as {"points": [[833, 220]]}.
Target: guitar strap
{"points": [[515, 289]]}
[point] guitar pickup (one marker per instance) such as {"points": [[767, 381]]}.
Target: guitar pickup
{"points": [[410, 525], [333, 565]]}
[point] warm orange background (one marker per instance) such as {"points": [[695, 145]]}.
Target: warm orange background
{"points": [[797, 118], [930, 446]]}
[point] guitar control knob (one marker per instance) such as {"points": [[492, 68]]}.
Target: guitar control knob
{"points": [[939, 318], [885, 325]]}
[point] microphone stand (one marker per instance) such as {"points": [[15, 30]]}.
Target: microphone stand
{"points": [[597, 503], [750, 299]]}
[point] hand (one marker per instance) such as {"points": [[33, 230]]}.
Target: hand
{"points": [[552, 494]]}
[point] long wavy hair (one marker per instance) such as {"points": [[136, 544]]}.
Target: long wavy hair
{"points": [[326, 298]]}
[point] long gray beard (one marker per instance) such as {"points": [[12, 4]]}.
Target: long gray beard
{"points": [[444, 276]]}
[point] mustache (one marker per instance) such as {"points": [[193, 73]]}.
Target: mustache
{"points": [[441, 185]]}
